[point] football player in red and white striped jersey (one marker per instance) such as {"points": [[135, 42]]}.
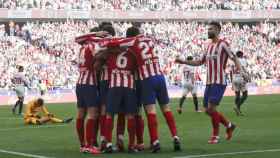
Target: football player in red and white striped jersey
{"points": [[153, 85], [87, 92], [215, 59]]}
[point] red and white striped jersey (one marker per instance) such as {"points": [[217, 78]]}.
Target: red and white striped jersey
{"points": [[19, 79], [86, 55], [143, 48], [216, 59], [121, 68]]}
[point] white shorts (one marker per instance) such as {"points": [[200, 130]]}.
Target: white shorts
{"points": [[238, 84], [20, 91], [189, 87]]}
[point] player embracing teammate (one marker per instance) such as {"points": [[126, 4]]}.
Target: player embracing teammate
{"points": [[125, 59]]}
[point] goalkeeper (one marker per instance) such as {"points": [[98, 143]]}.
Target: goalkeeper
{"points": [[34, 108]]}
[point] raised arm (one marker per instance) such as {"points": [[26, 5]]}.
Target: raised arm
{"points": [[191, 62]]}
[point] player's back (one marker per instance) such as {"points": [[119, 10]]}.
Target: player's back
{"points": [[89, 44], [121, 68], [147, 58]]}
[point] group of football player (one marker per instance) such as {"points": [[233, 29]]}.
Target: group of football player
{"points": [[120, 76]]}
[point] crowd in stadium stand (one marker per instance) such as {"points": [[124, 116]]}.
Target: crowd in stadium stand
{"points": [[151, 5], [46, 49]]}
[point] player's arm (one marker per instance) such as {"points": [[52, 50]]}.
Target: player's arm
{"points": [[191, 62], [123, 43], [90, 36], [46, 112]]}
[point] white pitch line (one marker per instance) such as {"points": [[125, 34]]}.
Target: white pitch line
{"points": [[231, 153], [11, 118], [22, 154], [32, 127]]}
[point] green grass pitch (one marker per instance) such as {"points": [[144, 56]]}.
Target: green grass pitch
{"points": [[257, 131]]}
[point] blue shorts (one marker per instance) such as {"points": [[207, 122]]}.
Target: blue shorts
{"points": [[152, 89], [213, 94], [121, 99], [87, 96], [103, 91]]}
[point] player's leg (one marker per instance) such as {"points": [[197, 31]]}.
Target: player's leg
{"points": [[15, 106], [81, 114], [131, 128], [139, 129], [91, 102], [244, 97], [148, 98], [91, 125], [195, 99], [130, 109], [195, 102], [163, 100], [139, 118], [102, 124], [20, 105], [215, 95], [120, 131], [182, 99], [237, 102], [113, 105], [80, 121], [102, 118]]}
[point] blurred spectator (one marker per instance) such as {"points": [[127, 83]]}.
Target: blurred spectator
{"points": [[46, 49], [151, 5]]}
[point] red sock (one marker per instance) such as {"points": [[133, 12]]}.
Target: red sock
{"points": [[95, 131], [89, 132], [102, 122], [215, 118], [109, 129], [131, 131], [120, 125], [80, 130], [153, 127], [139, 129], [223, 120], [171, 123]]}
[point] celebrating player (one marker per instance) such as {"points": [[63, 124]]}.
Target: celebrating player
{"points": [[153, 86], [87, 92], [215, 60]]}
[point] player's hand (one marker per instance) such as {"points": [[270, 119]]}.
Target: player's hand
{"points": [[50, 115], [101, 33], [179, 61]]}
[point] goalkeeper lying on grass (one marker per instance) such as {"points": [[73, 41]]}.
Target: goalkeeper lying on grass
{"points": [[36, 106]]}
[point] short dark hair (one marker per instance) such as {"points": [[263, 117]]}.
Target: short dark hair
{"points": [[132, 31], [105, 23], [109, 29], [40, 101], [94, 29], [217, 24], [239, 53], [189, 58]]}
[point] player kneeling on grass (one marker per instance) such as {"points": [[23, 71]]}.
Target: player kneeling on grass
{"points": [[35, 107]]}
